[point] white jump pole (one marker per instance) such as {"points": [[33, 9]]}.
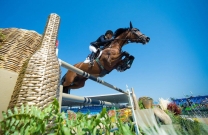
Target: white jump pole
{"points": [[87, 75]]}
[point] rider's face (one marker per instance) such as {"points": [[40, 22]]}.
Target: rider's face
{"points": [[109, 36]]}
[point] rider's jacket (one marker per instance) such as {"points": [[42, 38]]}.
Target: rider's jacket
{"points": [[101, 41]]}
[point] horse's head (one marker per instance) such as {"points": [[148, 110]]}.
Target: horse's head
{"points": [[135, 35]]}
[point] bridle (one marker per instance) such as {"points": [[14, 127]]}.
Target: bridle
{"points": [[131, 31]]}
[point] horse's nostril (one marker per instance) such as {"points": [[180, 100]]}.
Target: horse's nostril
{"points": [[147, 39]]}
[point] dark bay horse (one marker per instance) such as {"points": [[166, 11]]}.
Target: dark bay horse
{"points": [[110, 59]]}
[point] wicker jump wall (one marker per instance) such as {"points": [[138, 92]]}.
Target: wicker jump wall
{"points": [[39, 75], [17, 46]]}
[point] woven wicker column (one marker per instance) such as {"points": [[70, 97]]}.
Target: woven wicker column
{"points": [[16, 47], [38, 81]]}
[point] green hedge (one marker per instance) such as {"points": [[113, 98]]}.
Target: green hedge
{"points": [[30, 120]]}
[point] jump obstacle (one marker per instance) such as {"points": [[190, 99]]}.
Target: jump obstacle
{"points": [[43, 82], [73, 98]]}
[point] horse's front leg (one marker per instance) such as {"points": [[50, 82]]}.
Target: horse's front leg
{"points": [[125, 63], [126, 54], [128, 58], [117, 57]]}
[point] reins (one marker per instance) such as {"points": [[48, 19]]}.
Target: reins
{"points": [[127, 40]]}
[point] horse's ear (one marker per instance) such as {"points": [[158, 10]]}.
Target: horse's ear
{"points": [[131, 25]]}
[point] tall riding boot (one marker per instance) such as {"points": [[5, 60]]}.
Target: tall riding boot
{"points": [[92, 58]]}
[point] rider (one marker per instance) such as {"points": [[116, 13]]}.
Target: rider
{"points": [[101, 41]]}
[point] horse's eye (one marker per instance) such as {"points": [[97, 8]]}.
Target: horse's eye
{"points": [[135, 31]]}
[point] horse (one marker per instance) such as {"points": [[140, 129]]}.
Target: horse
{"points": [[111, 58]]}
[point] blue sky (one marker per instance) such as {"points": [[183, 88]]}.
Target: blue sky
{"points": [[172, 64]]}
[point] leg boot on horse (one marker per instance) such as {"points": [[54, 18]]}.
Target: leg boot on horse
{"points": [[131, 59]]}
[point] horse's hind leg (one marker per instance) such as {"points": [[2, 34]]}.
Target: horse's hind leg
{"points": [[66, 90], [75, 85], [78, 84], [67, 80]]}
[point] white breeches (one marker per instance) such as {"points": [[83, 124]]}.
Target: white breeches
{"points": [[92, 49]]}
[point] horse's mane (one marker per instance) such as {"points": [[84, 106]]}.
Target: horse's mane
{"points": [[119, 31]]}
